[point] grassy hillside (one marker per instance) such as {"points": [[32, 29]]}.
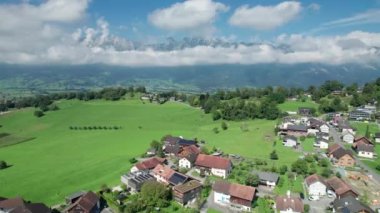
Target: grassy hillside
{"points": [[60, 161], [294, 105]]}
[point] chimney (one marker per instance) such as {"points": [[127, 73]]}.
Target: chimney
{"points": [[288, 193]]}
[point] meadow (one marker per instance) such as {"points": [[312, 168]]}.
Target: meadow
{"points": [[57, 161], [294, 105]]}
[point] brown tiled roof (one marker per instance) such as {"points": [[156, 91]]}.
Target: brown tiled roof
{"points": [[87, 202], [284, 202], [163, 171], [314, 178], [150, 163], [19, 206], [363, 139], [365, 147], [210, 161], [333, 147], [183, 188], [340, 152], [235, 190], [339, 186], [190, 153]]}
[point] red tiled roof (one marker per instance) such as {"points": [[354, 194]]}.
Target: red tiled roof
{"points": [[150, 163], [210, 161], [87, 202], [163, 171], [188, 151], [314, 178], [339, 186], [284, 203], [333, 147], [235, 190]]}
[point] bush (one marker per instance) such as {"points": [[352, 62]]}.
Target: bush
{"points": [[302, 138], [306, 208], [38, 113], [224, 125], [326, 172], [283, 169], [273, 155], [215, 130], [3, 164], [378, 167], [132, 160]]}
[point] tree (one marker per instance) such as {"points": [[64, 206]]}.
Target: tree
{"points": [[224, 125], [273, 155], [3, 165], [338, 175], [252, 180], [204, 150], [306, 208], [300, 167], [367, 133], [38, 113], [155, 194], [378, 167], [155, 145], [326, 172], [283, 169], [324, 162], [132, 160], [215, 130]]}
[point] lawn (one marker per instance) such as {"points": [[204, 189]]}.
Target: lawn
{"points": [[294, 186], [294, 105], [60, 161], [362, 127], [373, 163], [307, 145]]}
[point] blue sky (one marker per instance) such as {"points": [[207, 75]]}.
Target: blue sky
{"points": [[121, 32], [123, 16]]}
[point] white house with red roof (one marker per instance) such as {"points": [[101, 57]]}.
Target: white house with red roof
{"points": [[148, 164], [316, 185], [235, 196], [162, 173], [213, 165]]}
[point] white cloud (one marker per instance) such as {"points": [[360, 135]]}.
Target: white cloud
{"points": [[265, 17], [314, 6], [371, 16], [187, 15]]}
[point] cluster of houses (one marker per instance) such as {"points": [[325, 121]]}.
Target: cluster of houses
{"points": [[364, 113], [346, 198]]}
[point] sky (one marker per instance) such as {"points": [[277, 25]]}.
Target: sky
{"points": [[122, 32]]}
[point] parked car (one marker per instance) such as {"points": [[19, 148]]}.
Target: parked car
{"points": [[313, 198]]}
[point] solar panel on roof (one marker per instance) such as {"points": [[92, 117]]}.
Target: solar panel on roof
{"points": [[177, 178]]}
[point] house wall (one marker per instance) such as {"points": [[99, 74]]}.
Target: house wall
{"points": [[296, 133], [324, 128], [221, 198], [324, 145], [188, 197], [134, 169], [184, 163], [348, 138], [346, 161], [317, 189], [377, 140], [312, 131], [219, 172], [288, 211], [365, 154]]}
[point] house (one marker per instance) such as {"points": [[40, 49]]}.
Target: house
{"points": [[348, 137], [151, 152], [305, 111], [341, 156], [184, 142], [323, 135], [162, 173], [360, 114], [361, 140], [377, 137], [87, 203], [324, 128], [290, 141], [187, 156], [234, 196], [350, 204], [296, 130], [171, 145], [315, 185], [340, 188], [148, 164], [365, 150], [16, 205], [187, 192], [267, 178], [344, 126], [177, 178], [218, 166], [289, 204], [135, 180], [321, 143]]}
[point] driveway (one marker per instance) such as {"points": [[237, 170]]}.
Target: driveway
{"points": [[318, 205], [209, 204]]}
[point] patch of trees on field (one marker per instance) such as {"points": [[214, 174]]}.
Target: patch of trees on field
{"points": [[95, 127]]}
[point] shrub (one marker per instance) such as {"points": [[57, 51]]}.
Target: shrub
{"points": [[283, 169], [302, 138], [38, 113], [306, 208], [215, 130], [3, 164], [273, 155], [132, 160], [224, 125], [378, 167]]}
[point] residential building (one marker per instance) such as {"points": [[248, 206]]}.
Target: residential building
{"points": [[267, 178], [188, 156], [365, 150], [296, 130], [323, 135], [135, 180], [341, 156], [361, 140], [289, 204], [377, 137], [234, 196], [340, 188], [321, 143], [350, 204], [148, 164], [348, 137], [184, 142], [290, 141], [177, 178], [18, 205], [305, 111], [151, 152], [187, 192], [87, 203], [360, 114], [218, 166], [162, 173], [315, 185]]}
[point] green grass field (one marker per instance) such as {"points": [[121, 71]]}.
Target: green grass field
{"points": [[308, 144], [293, 105], [362, 127], [60, 161]]}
